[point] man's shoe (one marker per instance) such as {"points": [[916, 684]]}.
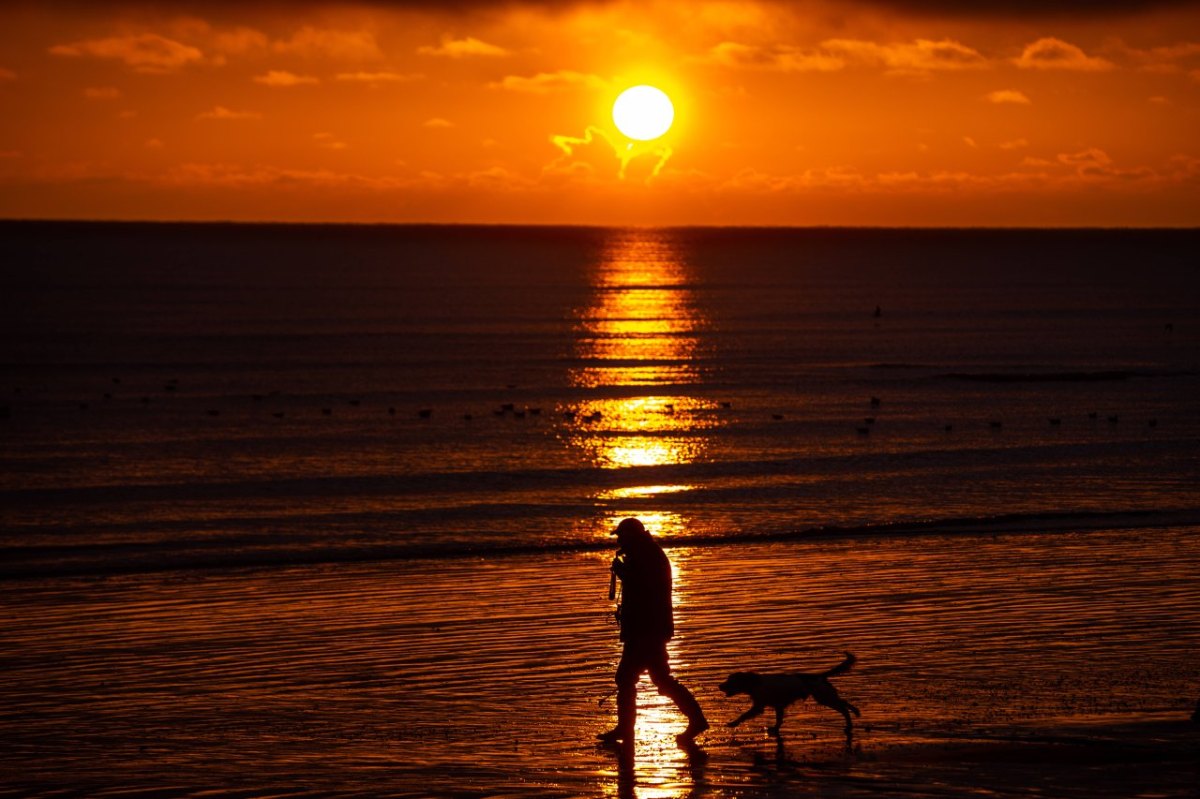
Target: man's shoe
{"points": [[615, 736], [695, 728]]}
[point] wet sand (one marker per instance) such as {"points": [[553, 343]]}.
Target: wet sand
{"points": [[1055, 664]]}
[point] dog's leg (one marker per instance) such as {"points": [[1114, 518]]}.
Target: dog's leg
{"points": [[844, 707], [755, 710], [775, 731], [828, 696]]}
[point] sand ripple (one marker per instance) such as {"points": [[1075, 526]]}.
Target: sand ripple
{"points": [[473, 678]]}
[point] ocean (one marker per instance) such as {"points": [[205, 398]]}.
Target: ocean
{"points": [[326, 509], [223, 395]]}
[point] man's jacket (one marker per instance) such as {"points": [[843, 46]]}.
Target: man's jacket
{"points": [[646, 614]]}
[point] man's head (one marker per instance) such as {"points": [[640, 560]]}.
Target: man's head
{"points": [[629, 532]]}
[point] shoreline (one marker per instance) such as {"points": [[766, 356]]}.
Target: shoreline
{"points": [[993, 664], [128, 560]]}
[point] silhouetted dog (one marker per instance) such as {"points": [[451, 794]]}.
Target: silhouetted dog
{"points": [[780, 690]]}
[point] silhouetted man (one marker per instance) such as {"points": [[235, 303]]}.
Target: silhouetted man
{"points": [[647, 623]]}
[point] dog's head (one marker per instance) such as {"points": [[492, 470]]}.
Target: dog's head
{"points": [[740, 682]]}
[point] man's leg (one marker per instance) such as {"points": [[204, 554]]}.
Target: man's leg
{"points": [[673, 689], [628, 671]]}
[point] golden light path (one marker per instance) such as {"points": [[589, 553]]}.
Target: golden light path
{"points": [[642, 491], [641, 331]]}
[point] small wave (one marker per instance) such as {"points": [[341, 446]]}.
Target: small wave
{"points": [[1041, 377], [474, 482], [1097, 376], [270, 552]]}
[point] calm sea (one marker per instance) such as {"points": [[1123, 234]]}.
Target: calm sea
{"points": [[230, 395]]}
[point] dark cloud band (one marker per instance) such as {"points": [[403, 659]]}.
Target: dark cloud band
{"points": [[945, 8], [1030, 8]]}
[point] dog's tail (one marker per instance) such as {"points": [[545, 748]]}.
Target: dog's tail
{"points": [[842, 667]]}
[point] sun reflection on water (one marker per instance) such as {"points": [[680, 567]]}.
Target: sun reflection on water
{"points": [[661, 523], [620, 432], [638, 343], [641, 492], [641, 329], [656, 766], [642, 326]]}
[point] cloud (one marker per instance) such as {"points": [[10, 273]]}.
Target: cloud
{"points": [[463, 48], [1002, 96], [329, 141], [987, 9], [340, 45], [1171, 52], [143, 52], [1166, 59], [1021, 9], [102, 93], [754, 181], [922, 55], [1095, 164], [583, 158], [240, 41], [778, 58], [263, 176], [1194, 74], [234, 176], [1051, 53], [917, 57], [379, 77], [154, 144], [221, 112], [595, 154], [497, 178], [7, 75], [1091, 167], [281, 78], [437, 122], [1088, 168], [1185, 168], [546, 82], [1015, 144], [1091, 158], [849, 180]]}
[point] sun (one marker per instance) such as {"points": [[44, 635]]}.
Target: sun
{"points": [[643, 113]]}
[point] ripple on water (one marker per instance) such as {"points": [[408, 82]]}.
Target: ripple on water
{"points": [[485, 676]]}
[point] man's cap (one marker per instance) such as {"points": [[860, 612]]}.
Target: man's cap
{"points": [[630, 525]]}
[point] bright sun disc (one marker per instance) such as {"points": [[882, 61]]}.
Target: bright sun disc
{"points": [[643, 113]]}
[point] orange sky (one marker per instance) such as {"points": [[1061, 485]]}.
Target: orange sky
{"points": [[805, 113]]}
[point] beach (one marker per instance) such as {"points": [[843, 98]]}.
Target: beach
{"points": [[989, 664], [326, 510]]}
